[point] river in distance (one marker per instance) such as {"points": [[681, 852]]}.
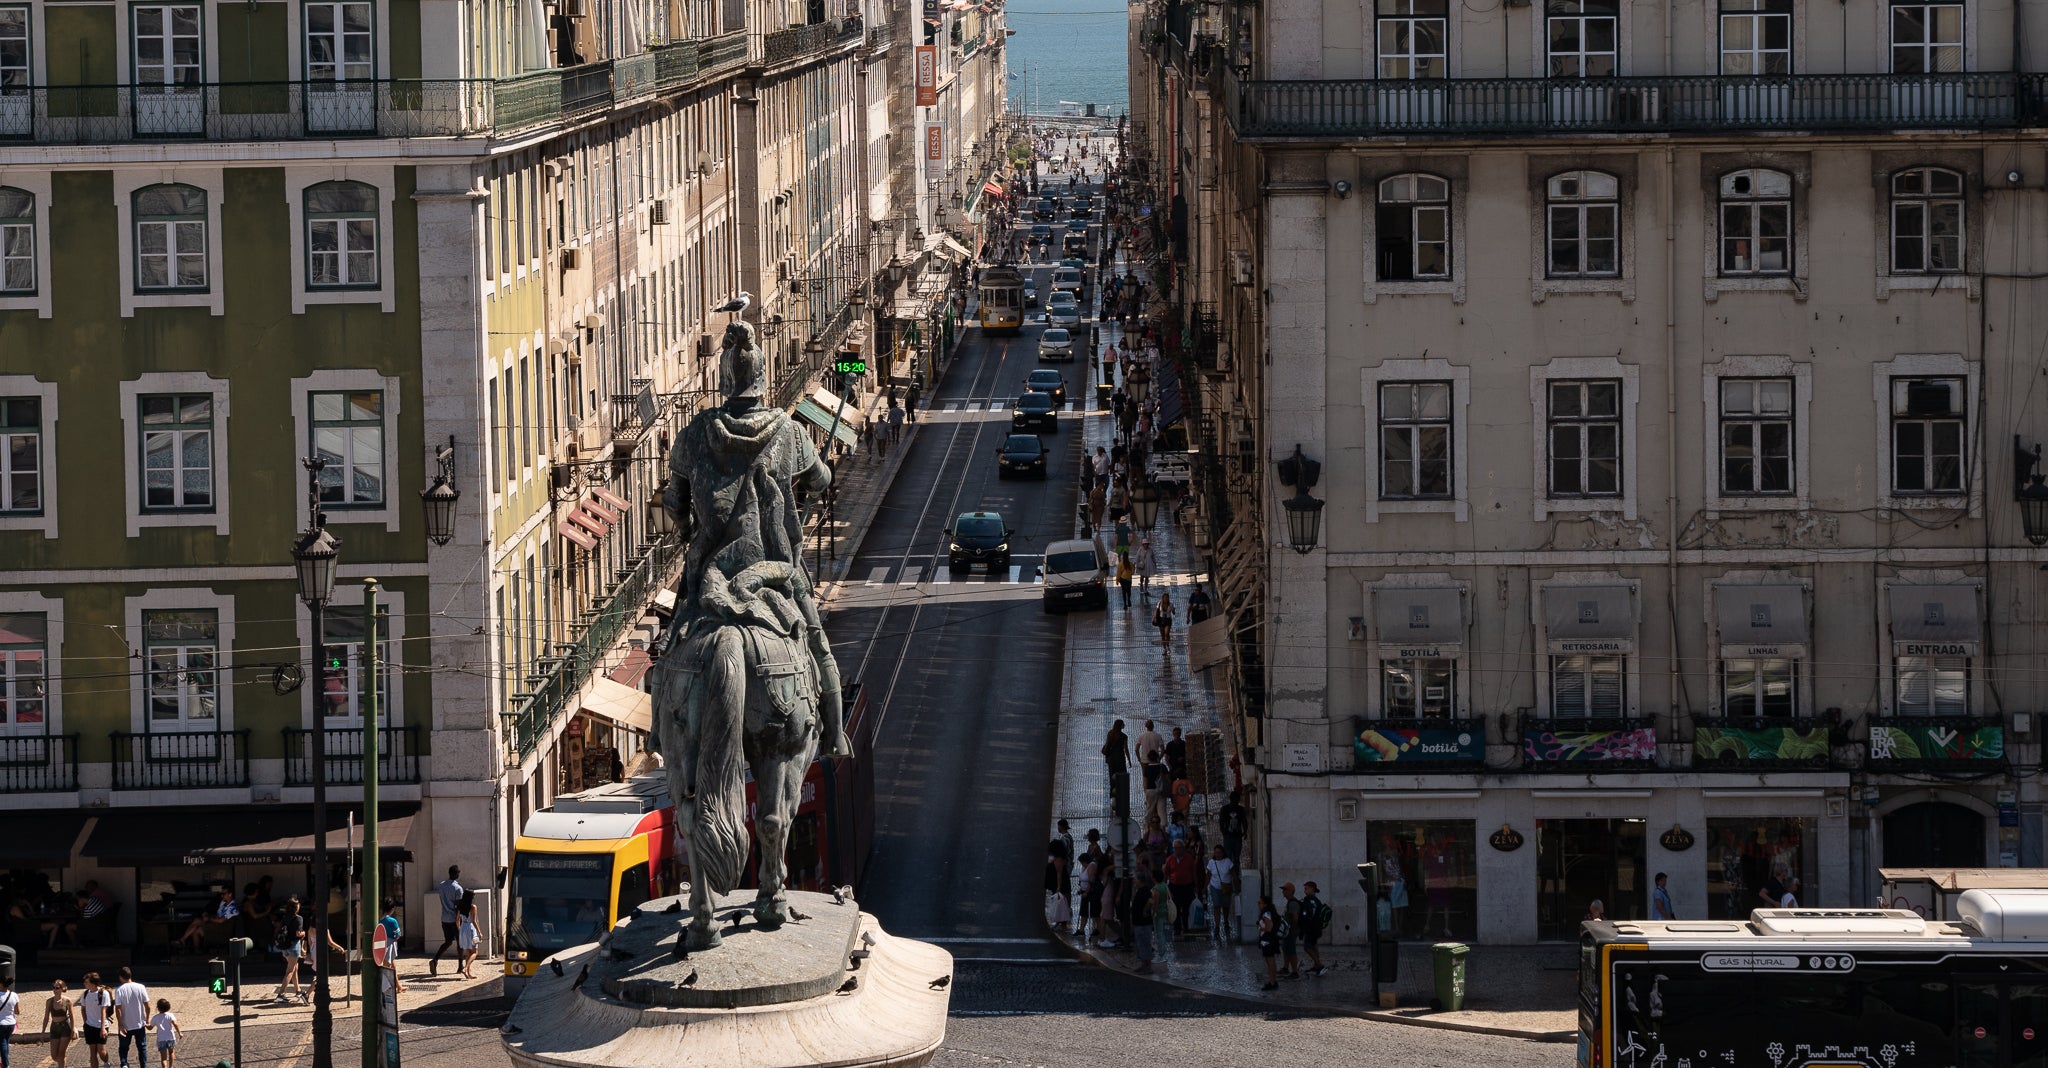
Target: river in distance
{"points": [[1070, 52]]}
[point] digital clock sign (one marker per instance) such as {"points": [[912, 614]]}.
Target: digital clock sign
{"points": [[850, 367]]}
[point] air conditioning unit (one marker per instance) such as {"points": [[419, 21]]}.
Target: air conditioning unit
{"points": [[572, 9], [1241, 272], [1637, 103], [782, 269], [657, 213], [568, 449], [556, 346], [593, 321], [570, 258], [704, 346]]}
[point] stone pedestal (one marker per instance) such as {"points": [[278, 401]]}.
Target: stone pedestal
{"points": [[764, 999]]}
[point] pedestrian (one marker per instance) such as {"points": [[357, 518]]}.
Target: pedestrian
{"points": [[1594, 911], [1108, 929], [1120, 511], [450, 892], [1315, 919], [872, 434], [1165, 913], [1270, 925], [92, 1009], [10, 1007], [57, 1023], [466, 933], [1162, 617], [1791, 898], [1098, 501], [1145, 562], [392, 932], [1057, 858], [1182, 795], [1774, 887], [1660, 901], [1233, 820], [1222, 881], [1183, 883], [1150, 744], [1101, 463], [895, 423], [1176, 750], [1157, 790], [1143, 912], [1154, 843], [910, 399], [1290, 916], [1123, 576], [291, 940], [131, 1012], [1198, 604], [167, 1033], [1116, 753]]}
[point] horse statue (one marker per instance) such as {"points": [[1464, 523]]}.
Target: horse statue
{"points": [[747, 679]]}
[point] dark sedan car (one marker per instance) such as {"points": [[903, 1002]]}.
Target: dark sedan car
{"points": [[1023, 454], [1047, 210], [1033, 411], [978, 538], [1047, 380]]}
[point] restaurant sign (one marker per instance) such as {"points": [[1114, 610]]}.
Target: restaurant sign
{"points": [[1383, 744]]}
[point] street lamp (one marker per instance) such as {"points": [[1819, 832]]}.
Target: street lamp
{"points": [[2030, 493], [1304, 513], [437, 502], [314, 558], [1144, 505]]}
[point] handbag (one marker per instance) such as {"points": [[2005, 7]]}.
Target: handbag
{"points": [[1061, 912], [1198, 914]]}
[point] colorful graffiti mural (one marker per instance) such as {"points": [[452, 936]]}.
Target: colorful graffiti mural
{"points": [[1739, 745], [1541, 745], [1409, 745], [1935, 741]]}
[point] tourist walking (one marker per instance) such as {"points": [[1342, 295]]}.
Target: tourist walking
{"points": [[466, 933], [1123, 576], [167, 1033], [131, 1014], [1233, 820], [1222, 883], [57, 1023], [1145, 561], [291, 939], [1162, 617], [450, 892], [1315, 919], [1271, 924], [1116, 754], [10, 1007], [896, 418], [1290, 927], [92, 1010], [1183, 883], [1143, 912]]}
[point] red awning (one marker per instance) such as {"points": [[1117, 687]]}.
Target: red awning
{"points": [[575, 536], [617, 502], [994, 189]]}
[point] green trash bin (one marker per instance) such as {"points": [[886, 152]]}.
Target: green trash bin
{"points": [[1450, 975]]}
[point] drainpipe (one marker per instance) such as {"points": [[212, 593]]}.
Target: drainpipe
{"points": [[1674, 680]]}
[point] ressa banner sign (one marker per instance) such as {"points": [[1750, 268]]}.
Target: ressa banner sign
{"points": [[935, 143], [927, 76]]}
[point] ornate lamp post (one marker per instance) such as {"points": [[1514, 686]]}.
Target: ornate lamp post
{"points": [[1144, 504], [314, 558], [437, 502], [1304, 513]]}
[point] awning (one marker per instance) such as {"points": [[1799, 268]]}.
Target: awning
{"points": [[1935, 621], [634, 668], [1762, 620], [959, 249], [40, 839], [1419, 622], [848, 413], [1166, 380], [1208, 642], [994, 188], [629, 708], [1589, 619], [242, 834], [575, 536], [822, 419]]}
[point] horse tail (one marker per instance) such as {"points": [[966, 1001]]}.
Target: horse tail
{"points": [[718, 836]]}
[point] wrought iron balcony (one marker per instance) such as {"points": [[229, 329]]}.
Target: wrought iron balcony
{"points": [[398, 755], [802, 42], [180, 760], [632, 415], [1342, 110], [1936, 743], [1748, 743], [1616, 743], [39, 763], [245, 111], [718, 55]]}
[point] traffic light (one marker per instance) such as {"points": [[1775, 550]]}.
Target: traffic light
{"points": [[241, 947], [219, 985]]}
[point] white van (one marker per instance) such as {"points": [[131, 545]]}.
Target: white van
{"points": [[1076, 573]]}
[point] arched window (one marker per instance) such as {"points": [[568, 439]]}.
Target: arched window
{"points": [[1927, 221], [1584, 225], [341, 236], [1414, 224], [17, 241], [1756, 223], [170, 238]]}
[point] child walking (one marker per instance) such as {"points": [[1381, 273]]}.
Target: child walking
{"points": [[167, 1033], [465, 933]]}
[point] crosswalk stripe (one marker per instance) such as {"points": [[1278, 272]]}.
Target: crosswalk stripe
{"points": [[941, 575], [953, 407], [911, 575], [973, 406], [1015, 571], [878, 575]]}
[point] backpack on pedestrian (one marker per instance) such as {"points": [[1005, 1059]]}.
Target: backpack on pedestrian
{"points": [[1316, 914]]}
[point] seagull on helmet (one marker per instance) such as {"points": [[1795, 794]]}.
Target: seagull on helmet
{"points": [[736, 305]]}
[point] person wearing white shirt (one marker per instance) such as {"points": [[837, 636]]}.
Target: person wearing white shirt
{"points": [[93, 1005], [1222, 887], [9, 1003], [131, 1010]]}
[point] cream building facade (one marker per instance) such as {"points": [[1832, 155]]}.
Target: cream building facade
{"points": [[1669, 367]]}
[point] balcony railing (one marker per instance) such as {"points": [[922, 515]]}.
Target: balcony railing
{"points": [[553, 688], [717, 55], [632, 414], [245, 111], [1590, 744], [398, 755], [1760, 743], [181, 760], [1935, 743], [800, 42], [1707, 103], [39, 763], [1403, 745]]}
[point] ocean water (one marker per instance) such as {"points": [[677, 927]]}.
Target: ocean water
{"points": [[1069, 50]]}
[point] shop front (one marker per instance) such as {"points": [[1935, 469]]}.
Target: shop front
{"points": [[1429, 877]]}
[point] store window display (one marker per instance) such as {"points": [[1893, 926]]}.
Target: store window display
{"points": [[1750, 858], [1429, 877]]}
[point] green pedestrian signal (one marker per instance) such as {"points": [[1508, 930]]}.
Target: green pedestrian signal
{"points": [[218, 986]]}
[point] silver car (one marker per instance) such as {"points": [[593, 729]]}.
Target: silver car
{"points": [[1057, 343], [1062, 309]]}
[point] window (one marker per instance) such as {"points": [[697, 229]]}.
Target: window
{"points": [[1586, 686], [181, 647], [1423, 688], [1756, 37], [1927, 221], [1415, 439], [341, 236], [24, 660], [1931, 685], [1759, 687], [1413, 35], [177, 452], [1582, 38], [1756, 223], [17, 238], [1585, 438], [170, 238], [338, 41], [167, 45], [21, 455], [348, 433], [14, 40], [343, 634], [1584, 225], [1414, 223], [1927, 435], [1756, 436], [1927, 38]]}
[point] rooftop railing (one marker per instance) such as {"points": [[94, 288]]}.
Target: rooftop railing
{"points": [[1327, 110]]}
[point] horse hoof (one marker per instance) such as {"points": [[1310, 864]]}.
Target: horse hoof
{"points": [[771, 917], [704, 938]]}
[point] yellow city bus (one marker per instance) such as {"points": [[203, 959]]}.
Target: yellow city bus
{"points": [[1821, 988], [1002, 299]]}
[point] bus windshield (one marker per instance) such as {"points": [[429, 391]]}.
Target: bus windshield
{"points": [[559, 900]]}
